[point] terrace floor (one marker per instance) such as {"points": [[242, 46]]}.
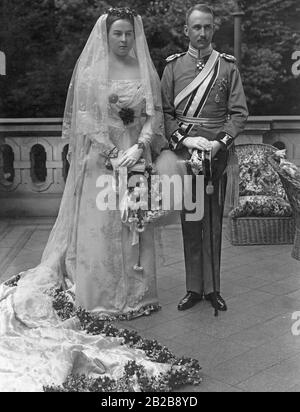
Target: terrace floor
{"points": [[249, 348]]}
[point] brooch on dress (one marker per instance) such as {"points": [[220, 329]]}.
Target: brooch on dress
{"points": [[113, 98]]}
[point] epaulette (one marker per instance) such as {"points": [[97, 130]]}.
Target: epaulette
{"points": [[174, 56], [228, 57]]}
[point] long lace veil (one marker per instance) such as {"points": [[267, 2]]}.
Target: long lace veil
{"points": [[85, 121]]}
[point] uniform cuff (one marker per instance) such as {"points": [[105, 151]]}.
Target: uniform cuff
{"points": [[177, 139], [225, 139]]}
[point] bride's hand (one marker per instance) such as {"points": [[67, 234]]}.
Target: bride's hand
{"points": [[131, 156]]}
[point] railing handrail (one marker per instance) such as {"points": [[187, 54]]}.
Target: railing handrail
{"points": [[57, 121], [35, 120]]}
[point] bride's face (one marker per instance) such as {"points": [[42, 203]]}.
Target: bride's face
{"points": [[121, 38]]}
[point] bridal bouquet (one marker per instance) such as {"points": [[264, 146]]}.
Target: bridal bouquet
{"points": [[142, 203]]}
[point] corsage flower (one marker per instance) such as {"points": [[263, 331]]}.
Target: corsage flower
{"points": [[127, 115]]}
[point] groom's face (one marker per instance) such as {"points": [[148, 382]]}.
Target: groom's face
{"points": [[200, 29]]}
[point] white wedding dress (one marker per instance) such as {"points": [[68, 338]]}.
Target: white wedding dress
{"points": [[105, 257], [36, 348]]}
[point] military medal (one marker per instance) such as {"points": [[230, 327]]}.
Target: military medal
{"points": [[200, 65], [217, 98]]}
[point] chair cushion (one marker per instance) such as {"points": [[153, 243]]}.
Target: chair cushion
{"points": [[262, 206], [257, 177]]}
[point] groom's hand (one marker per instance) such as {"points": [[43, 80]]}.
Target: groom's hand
{"points": [[215, 147], [197, 142]]}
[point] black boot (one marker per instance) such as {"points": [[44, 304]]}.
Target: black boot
{"points": [[221, 304], [190, 300]]}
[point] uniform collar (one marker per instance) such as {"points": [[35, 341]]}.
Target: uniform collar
{"points": [[199, 54]]}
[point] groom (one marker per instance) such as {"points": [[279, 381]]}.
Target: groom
{"points": [[205, 109]]}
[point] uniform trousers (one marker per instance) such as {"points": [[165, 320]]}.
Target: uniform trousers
{"points": [[197, 234]]}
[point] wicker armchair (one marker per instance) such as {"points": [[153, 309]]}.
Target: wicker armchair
{"points": [[290, 178], [263, 214]]}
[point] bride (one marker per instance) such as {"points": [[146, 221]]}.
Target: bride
{"points": [[113, 107]]}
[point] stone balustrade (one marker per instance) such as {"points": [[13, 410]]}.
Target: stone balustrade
{"points": [[33, 165]]}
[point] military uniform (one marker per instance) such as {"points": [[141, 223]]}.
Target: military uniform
{"points": [[221, 116]]}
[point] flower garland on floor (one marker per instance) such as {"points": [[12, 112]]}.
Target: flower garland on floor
{"points": [[183, 371], [63, 303], [134, 379], [12, 282]]}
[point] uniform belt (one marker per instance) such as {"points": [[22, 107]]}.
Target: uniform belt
{"points": [[201, 121]]}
